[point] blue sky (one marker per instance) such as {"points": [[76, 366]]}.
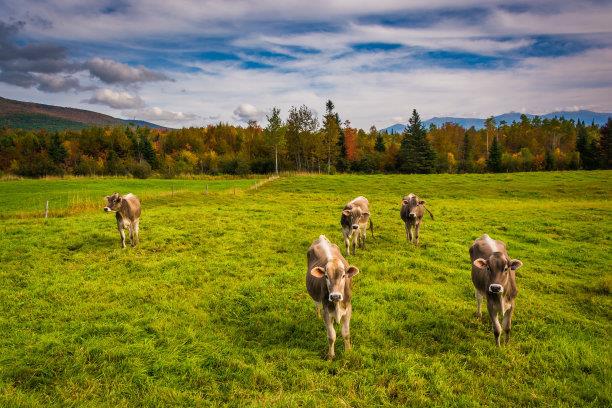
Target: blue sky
{"points": [[184, 63]]}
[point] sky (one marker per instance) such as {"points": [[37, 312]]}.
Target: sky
{"points": [[192, 63]]}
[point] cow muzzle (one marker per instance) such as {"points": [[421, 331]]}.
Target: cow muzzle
{"points": [[106, 209], [412, 216], [495, 288], [335, 297], [355, 226]]}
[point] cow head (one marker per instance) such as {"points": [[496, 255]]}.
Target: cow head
{"points": [[113, 202], [336, 277], [412, 202], [498, 266], [350, 217]]}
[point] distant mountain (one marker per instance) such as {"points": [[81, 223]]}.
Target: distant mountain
{"points": [[29, 115], [588, 117]]}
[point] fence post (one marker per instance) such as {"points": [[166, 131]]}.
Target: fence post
{"points": [[47, 209], [207, 189]]}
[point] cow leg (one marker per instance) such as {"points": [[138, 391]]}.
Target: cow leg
{"points": [[354, 238], [318, 307], [494, 321], [409, 232], [331, 335], [136, 237], [346, 330], [363, 237], [478, 304], [507, 323], [121, 234], [347, 242], [131, 229], [417, 227]]}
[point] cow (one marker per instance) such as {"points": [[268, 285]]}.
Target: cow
{"points": [[328, 281], [412, 215], [127, 212], [354, 223], [493, 275]]}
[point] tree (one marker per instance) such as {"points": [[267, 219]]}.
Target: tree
{"points": [[494, 162], [416, 154], [467, 155], [274, 133], [490, 129], [148, 152], [379, 146], [605, 146], [588, 150], [301, 124], [57, 151], [331, 133]]}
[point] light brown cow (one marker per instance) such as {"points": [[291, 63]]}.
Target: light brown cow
{"points": [[354, 222], [328, 281], [412, 214], [493, 275], [127, 212]]}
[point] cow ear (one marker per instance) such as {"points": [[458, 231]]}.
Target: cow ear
{"points": [[366, 213], [515, 264], [106, 197], [317, 272], [346, 212], [352, 271], [421, 202], [480, 263], [405, 202]]}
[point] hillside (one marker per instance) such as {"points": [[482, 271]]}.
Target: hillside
{"points": [[29, 115]]}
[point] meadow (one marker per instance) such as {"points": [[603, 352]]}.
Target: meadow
{"points": [[211, 308]]}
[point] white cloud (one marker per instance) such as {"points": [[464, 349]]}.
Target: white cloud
{"points": [[115, 100], [159, 114], [113, 72], [245, 112]]}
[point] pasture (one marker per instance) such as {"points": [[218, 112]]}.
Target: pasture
{"points": [[211, 309]]}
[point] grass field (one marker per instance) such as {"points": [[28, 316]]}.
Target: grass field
{"points": [[211, 309]]}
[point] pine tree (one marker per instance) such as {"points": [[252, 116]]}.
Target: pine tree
{"points": [[342, 161], [57, 151], [549, 160], [275, 133], [467, 157], [416, 154], [379, 146], [605, 147], [494, 162], [148, 152], [588, 150]]}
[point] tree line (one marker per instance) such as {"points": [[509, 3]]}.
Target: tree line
{"points": [[303, 143]]}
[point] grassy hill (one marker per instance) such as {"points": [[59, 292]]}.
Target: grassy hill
{"points": [[28, 115], [211, 309]]}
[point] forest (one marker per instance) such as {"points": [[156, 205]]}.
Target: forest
{"points": [[303, 143]]}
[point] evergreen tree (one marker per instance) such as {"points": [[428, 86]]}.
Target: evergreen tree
{"points": [[342, 161], [494, 162], [467, 156], [57, 151], [549, 160], [588, 150], [416, 154], [379, 146], [605, 148], [148, 152]]}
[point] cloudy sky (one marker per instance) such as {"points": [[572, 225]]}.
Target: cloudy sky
{"points": [[181, 63]]}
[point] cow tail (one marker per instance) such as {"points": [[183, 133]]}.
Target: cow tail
{"points": [[371, 227], [430, 214]]}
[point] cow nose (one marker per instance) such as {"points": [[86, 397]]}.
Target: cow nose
{"points": [[335, 297], [355, 226], [495, 288], [411, 215], [106, 209]]}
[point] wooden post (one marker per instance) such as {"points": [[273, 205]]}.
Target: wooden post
{"points": [[234, 190], [207, 189], [47, 209], [173, 190]]}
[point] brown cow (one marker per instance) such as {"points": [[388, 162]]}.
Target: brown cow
{"points": [[127, 212], [412, 215], [354, 222], [328, 281], [493, 275]]}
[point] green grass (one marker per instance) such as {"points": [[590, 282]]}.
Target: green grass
{"points": [[211, 309]]}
